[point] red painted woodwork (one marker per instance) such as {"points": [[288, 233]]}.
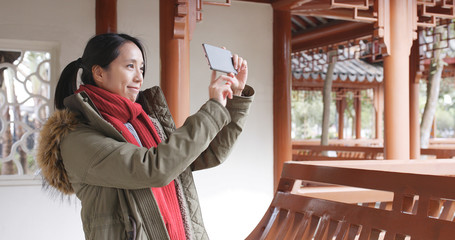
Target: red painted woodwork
{"points": [[358, 114], [324, 36], [396, 83], [311, 151], [281, 91], [390, 199], [174, 55], [414, 113], [106, 16]]}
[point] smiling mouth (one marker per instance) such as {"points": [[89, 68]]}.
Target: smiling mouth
{"points": [[134, 88]]}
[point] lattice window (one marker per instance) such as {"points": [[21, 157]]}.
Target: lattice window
{"points": [[25, 102]]}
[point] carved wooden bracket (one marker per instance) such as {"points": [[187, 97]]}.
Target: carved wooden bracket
{"points": [[429, 10], [382, 31], [188, 12], [357, 9], [360, 11], [421, 13], [180, 18]]}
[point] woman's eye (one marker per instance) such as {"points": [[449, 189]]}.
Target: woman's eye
{"points": [[130, 65], [142, 69]]}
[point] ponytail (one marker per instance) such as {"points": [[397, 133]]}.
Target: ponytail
{"points": [[67, 83]]}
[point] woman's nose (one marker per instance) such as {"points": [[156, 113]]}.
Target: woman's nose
{"points": [[139, 77]]}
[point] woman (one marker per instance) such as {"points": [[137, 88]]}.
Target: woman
{"points": [[118, 150]]}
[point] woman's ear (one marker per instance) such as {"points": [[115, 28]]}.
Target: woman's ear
{"points": [[98, 74]]}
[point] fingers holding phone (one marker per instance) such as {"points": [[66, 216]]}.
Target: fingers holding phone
{"points": [[220, 88], [241, 66]]}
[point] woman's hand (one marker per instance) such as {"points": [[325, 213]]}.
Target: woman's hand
{"points": [[241, 66], [220, 88]]}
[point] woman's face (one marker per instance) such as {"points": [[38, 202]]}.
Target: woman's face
{"points": [[123, 76]]}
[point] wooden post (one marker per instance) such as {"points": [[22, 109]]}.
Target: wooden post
{"points": [[396, 82], [106, 16], [358, 114], [414, 115], [282, 146], [341, 106], [174, 55]]}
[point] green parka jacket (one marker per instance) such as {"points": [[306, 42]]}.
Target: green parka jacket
{"points": [[81, 153]]}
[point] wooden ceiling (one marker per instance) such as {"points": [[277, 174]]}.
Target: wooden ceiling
{"points": [[302, 23], [314, 21]]}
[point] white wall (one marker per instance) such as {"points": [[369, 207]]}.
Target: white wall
{"points": [[26, 212], [66, 22], [141, 20], [235, 195]]}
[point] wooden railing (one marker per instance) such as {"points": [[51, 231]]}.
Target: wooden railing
{"points": [[302, 151], [344, 142], [318, 152], [376, 199], [434, 142]]}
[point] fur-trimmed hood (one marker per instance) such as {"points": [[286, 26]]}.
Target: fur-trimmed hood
{"points": [[48, 155]]}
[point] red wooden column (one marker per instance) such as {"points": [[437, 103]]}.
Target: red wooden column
{"points": [[396, 82], [358, 114], [414, 115], [174, 55], [282, 146], [341, 106], [106, 16]]}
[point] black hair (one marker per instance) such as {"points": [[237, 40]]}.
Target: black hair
{"points": [[101, 50]]}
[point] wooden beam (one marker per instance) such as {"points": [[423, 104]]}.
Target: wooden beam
{"points": [[258, 1], [324, 36], [321, 19], [286, 5], [106, 16], [310, 20], [282, 147], [299, 21], [314, 5], [318, 84], [340, 14], [294, 27]]}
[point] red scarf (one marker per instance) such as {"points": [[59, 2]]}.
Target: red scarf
{"points": [[119, 110]]}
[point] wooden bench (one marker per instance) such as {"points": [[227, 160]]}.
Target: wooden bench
{"points": [[410, 199]]}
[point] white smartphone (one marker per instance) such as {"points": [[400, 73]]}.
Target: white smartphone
{"points": [[219, 59]]}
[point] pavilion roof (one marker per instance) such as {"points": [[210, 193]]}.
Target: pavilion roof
{"points": [[352, 73]]}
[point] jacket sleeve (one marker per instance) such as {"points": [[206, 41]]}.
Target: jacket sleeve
{"points": [[222, 144], [90, 157]]}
